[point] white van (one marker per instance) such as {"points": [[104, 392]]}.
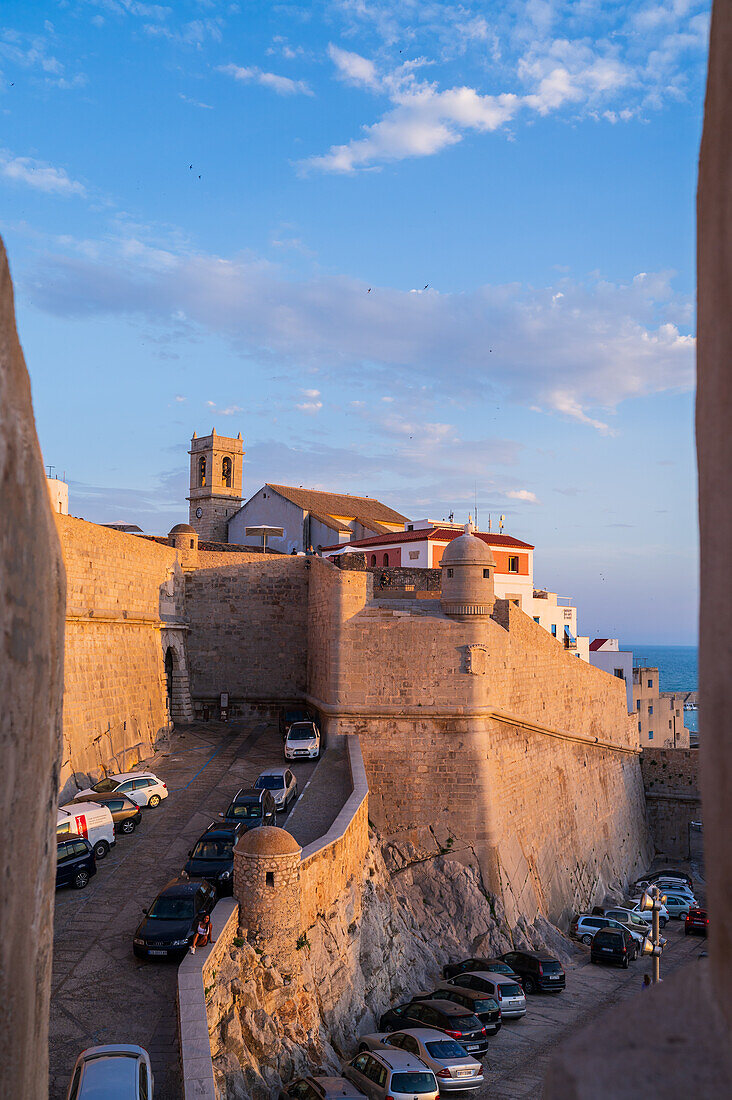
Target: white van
{"points": [[90, 820]]}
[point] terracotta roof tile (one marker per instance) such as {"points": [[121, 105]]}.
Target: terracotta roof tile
{"points": [[434, 534], [367, 509]]}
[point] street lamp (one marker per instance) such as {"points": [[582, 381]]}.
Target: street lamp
{"points": [[652, 902]]}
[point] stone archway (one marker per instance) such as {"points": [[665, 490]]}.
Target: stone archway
{"points": [[177, 683]]}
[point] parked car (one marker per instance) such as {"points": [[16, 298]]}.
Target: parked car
{"points": [[613, 945], [126, 814], [631, 919], [75, 862], [212, 857], [114, 1072], [250, 808], [646, 915], [669, 873], [537, 970], [677, 888], [675, 905], [144, 788], [281, 783], [491, 966], [288, 715], [442, 1015], [170, 923], [585, 927], [89, 820], [453, 1067], [485, 1007], [503, 988], [697, 922], [391, 1073], [320, 1088], [302, 741]]}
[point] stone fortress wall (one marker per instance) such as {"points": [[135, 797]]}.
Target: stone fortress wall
{"points": [[673, 798]]}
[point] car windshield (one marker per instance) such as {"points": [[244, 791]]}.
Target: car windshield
{"points": [[104, 786], [270, 783], [413, 1082], [213, 849], [487, 1005], [510, 989], [244, 810], [171, 908], [551, 967], [446, 1048], [499, 968], [301, 733]]}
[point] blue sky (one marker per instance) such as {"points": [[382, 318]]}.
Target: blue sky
{"points": [[417, 251]]}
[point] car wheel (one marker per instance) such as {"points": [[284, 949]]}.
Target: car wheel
{"points": [[625, 963], [663, 922], [587, 939], [81, 880], [529, 985], [100, 849], [153, 800], [127, 826]]}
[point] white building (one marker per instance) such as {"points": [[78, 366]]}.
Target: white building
{"points": [[605, 653], [58, 491]]}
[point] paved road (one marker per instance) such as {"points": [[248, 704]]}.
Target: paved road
{"points": [[519, 1054], [100, 992]]}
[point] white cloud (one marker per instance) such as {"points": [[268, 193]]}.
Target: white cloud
{"points": [[195, 102], [230, 410], [575, 349], [310, 407], [42, 177], [180, 399], [282, 85], [311, 393], [353, 68], [523, 494]]}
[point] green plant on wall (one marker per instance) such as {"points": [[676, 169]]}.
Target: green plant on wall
{"points": [[302, 941]]}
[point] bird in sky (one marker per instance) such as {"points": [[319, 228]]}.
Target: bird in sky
{"points": [[426, 286], [369, 290]]}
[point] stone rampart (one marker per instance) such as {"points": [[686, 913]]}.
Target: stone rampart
{"points": [[673, 797]]}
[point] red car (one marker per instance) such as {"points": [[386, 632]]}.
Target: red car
{"points": [[696, 921]]}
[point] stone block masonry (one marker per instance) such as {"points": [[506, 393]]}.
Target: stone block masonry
{"points": [[673, 797]]}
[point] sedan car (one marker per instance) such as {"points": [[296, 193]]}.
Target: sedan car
{"points": [[302, 741], [126, 814], [391, 1073], [646, 916], [585, 927], [251, 808], [675, 906], [212, 857], [490, 966], [320, 1088], [121, 1072], [453, 1067], [485, 1008], [441, 1015], [538, 970], [169, 925], [696, 922], [143, 788], [282, 785], [75, 861], [504, 989]]}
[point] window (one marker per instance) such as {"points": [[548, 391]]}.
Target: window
{"points": [[650, 708], [386, 559], [554, 630], [637, 705], [226, 472], [487, 574], [449, 572], [639, 727], [191, 544], [619, 673], [650, 735], [80, 848], [373, 559], [269, 878], [410, 527], [669, 723], [202, 471], [513, 563], [413, 555], [537, 619], [650, 683], [143, 1081]]}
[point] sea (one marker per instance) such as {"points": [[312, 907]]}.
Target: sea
{"points": [[678, 667]]}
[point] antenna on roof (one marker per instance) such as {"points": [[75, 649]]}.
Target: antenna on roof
{"points": [[475, 496], [500, 523], [489, 523]]}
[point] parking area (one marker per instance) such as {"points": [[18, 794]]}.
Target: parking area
{"points": [[100, 992], [516, 1062]]}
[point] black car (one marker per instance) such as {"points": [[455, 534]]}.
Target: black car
{"points": [[493, 966], [537, 970], [126, 814], [75, 862], [457, 1022], [251, 807], [170, 923], [613, 945], [484, 1007], [320, 1088], [212, 857], [288, 715]]}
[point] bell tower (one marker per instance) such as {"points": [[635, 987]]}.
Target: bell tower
{"points": [[215, 484]]}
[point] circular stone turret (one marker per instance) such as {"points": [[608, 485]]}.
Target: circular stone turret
{"points": [[468, 568], [184, 538], [267, 887]]}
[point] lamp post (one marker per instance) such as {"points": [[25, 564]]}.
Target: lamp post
{"points": [[652, 901]]}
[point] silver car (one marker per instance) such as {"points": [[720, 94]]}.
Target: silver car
{"points": [[114, 1072], [393, 1073], [454, 1068], [282, 784], [507, 991]]}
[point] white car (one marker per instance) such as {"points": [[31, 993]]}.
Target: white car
{"points": [[677, 888], [302, 741], [454, 1068], [507, 991], [282, 785], [143, 788], [119, 1072], [647, 916]]}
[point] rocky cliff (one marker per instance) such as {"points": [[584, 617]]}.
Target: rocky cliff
{"points": [[386, 938]]}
